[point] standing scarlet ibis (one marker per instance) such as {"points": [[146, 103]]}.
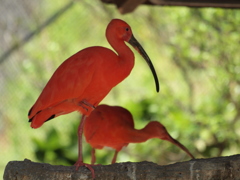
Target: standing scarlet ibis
{"points": [[113, 126], [83, 80]]}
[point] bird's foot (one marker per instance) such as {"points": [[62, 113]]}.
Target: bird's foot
{"points": [[89, 166], [84, 103], [86, 106]]}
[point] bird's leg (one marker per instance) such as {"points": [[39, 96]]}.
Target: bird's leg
{"points": [[114, 157], [80, 158], [84, 104], [93, 156]]}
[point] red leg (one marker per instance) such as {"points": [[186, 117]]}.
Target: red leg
{"points": [[93, 156], [114, 157], [80, 158]]}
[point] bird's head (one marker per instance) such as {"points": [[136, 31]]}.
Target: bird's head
{"points": [[119, 29], [157, 130], [123, 32]]}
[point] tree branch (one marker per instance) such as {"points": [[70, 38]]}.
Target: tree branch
{"points": [[213, 168], [33, 33]]}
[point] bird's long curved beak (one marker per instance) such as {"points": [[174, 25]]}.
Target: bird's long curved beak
{"points": [[141, 51], [177, 143]]}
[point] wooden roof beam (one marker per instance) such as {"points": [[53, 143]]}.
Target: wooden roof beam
{"points": [[127, 6]]}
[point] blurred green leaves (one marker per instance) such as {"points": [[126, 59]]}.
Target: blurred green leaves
{"points": [[52, 150], [195, 53]]}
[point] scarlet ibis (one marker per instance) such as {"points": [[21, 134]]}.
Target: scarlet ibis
{"points": [[113, 126], [84, 79]]}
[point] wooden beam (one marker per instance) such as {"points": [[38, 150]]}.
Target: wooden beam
{"points": [[130, 5], [197, 3], [127, 6]]}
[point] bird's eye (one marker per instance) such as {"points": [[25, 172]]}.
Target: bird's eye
{"points": [[127, 29]]}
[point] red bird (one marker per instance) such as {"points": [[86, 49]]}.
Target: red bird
{"points": [[83, 80], [113, 126]]}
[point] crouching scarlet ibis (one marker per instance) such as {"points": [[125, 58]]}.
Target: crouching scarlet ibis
{"points": [[83, 80], [113, 126]]}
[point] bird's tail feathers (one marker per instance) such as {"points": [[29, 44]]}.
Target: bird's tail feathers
{"points": [[55, 110]]}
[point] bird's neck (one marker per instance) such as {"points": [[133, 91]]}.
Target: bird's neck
{"points": [[124, 53], [125, 58], [142, 135]]}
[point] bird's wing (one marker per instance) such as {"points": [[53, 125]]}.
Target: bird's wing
{"points": [[125, 116], [68, 81]]}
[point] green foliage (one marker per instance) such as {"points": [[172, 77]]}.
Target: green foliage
{"points": [[196, 56]]}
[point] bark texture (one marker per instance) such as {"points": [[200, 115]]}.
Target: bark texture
{"points": [[225, 168]]}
